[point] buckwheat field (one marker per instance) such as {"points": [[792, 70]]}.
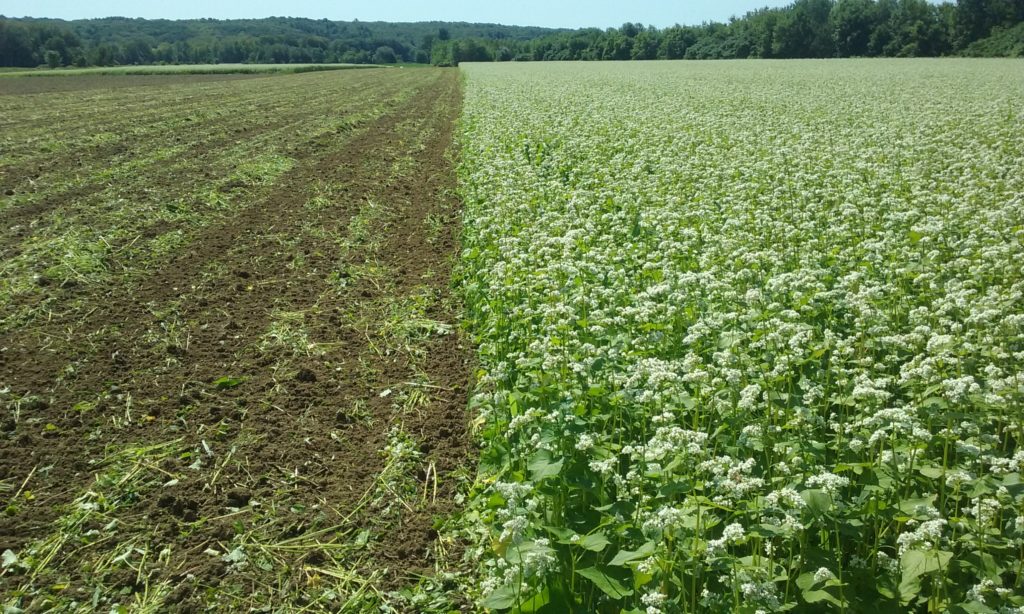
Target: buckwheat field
{"points": [[750, 335]]}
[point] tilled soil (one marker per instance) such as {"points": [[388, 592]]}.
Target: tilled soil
{"points": [[62, 169], [275, 408], [21, 85]]}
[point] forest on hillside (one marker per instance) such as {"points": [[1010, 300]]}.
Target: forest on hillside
{"points": [[274, 40], [804, 29]]}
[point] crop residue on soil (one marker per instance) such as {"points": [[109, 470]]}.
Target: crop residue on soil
{"points": [[231, 364]]}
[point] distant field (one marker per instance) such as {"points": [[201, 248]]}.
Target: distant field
{"points": [[84, 83], [184, 69]]}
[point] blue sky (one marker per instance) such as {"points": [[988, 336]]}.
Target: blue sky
{"points": [[551, 13]]}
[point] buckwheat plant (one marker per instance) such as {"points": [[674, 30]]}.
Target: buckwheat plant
{"points": [[751, 335]]}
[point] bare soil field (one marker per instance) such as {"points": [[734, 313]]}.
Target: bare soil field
{"points": [[76, 83], [231, 371]]}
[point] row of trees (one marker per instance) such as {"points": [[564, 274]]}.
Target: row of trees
{"points": [[806, 28], [113, 41]]}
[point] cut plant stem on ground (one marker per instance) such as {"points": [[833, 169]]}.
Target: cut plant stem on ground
{"points": [[198, 326]]}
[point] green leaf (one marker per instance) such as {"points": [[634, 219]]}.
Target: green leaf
{"points": [[814, 596], [911, 506], [84, 406], [535, 602], [641, 578], [971, 607], [495, 501], [595, 542], [608, 584], [983, 564], [628, 556], [561, 534], [806, 585], [908, 589], [884, 476], [915, 563], [817, 501], [500, 599], [768, 530], [1013, 484], [541, 466], [678, 487], [885, 590], [937, 402], [805, 581], [225, 383], [362, 539], [619, 508]]}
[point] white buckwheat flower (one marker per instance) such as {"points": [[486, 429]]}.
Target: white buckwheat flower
{"points": [[828, 482]]}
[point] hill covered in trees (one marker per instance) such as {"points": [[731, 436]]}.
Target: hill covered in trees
{"points": [[806, 28], [123, 41]]}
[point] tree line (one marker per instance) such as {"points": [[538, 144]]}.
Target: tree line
{"points": [[804, 29], [30, 42]]}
